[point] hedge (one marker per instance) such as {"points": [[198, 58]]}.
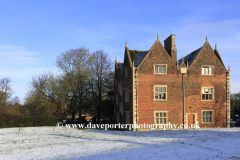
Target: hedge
{"points": [[9, 121]]}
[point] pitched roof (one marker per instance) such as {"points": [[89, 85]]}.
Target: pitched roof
{"points": [[137, 56], [190, 57], [118, 69], [219, 57]]}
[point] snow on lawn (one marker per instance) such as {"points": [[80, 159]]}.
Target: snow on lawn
{"points": [[65, 143]]}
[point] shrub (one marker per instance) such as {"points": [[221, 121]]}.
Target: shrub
{"points": [[7, 121]]}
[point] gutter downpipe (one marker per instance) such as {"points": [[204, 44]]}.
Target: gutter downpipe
{"points": [[183, 101], [136, 97], [122, 104], [227, 98]]}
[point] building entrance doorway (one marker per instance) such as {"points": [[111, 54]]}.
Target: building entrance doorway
{"points": [[191, 121]]}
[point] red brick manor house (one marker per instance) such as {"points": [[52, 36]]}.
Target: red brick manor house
{"points": [[153, 87]]}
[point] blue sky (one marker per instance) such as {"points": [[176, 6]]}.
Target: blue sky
{"points": [[33, 33]]}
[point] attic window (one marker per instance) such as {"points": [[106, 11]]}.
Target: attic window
{"points": [[207, 70], [160, 69]]}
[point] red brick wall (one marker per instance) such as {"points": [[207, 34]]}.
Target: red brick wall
{"points": [[173, 79]]}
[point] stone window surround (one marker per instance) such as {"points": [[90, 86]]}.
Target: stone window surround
{"points": [[162, 92], [206, 110], [207, 66], [160, 65], [155, 118], [206, 87], [126, 94]]}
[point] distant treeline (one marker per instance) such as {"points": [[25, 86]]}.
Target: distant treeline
{"points": [[83, 86]]}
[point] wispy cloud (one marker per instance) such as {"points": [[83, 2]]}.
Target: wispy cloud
{"points": [[17, 55]]}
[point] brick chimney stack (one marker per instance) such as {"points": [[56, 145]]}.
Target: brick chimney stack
{"points": [[169, 45]]}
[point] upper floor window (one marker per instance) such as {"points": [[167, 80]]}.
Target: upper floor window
{"points": [[160, 92], [160, 69], [207, 70], [116, 99], [121, 107], [127, 95], [207, 93], [120, 88], [126, 72]]}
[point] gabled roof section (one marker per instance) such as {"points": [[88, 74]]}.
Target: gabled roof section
{"points": [[218, 55], [137, 56], [190, 57], [134, 55], [118, 69], [157, 41], [127, 56]]}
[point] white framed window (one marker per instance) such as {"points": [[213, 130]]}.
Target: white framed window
{"points": [[207, 116], [160, 69], [116, 99], [207, 70], [127, 117], [160, 92], [160, 117], [126, 72], [120, 88], [117, 117], [121, 107], [207, 93], [127, 95]]}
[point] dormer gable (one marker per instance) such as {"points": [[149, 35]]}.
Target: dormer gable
{"points": [[161, 49], [194, 55], [127, 58]]}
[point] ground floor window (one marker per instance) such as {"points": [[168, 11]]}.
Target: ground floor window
{"points": [[121, 107], [117, 117], [127, 118], [160, 117], [207, 116]]}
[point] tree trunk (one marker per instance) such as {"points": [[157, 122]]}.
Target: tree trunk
{"points": [[99, 104], [73, 116], [80, 104]]}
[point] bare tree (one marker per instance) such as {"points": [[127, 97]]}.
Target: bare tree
{"points": [[43, 92], [76, 67], [15, 101], [6, 91], [102, 78]]}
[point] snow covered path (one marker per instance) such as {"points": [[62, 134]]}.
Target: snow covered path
{"points": [[65, 143]]}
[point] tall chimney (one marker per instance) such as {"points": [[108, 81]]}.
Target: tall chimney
{"points": [[169, 45]]}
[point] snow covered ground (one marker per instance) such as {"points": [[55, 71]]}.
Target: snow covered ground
{"points": [[65, 143]]}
